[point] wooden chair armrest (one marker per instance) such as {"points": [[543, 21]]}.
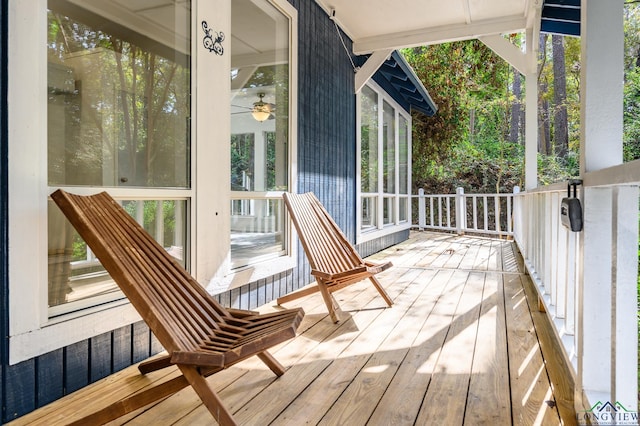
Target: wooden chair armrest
{"points": [[241, 313], [330, 277], [378, 267]]}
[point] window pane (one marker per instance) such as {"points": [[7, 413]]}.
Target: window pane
{"points": [[118, 95], [259, 129], [257, 230], [369, 212], [388, 210], [404, 208], [403, 154], [369, 140], [76, 277], [389, 149]]}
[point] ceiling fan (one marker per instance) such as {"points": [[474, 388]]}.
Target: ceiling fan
{"points": [[261, 110]]}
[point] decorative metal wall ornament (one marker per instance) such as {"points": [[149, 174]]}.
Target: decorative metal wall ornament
{"points": [[212, 43]]}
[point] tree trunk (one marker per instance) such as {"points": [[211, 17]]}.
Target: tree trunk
{"points": [[514, 127], [560, 120], [544, 130]]}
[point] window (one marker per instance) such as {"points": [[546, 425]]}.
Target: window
{"points": [[118, 111], [103, 97], [369, 158], [260, 132], [384, 164]]}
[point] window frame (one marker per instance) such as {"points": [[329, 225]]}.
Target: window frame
{"points": [[364, 235], [233, 278], [31, 331]]}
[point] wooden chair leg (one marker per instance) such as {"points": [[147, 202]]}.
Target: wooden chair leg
{"points": [[132, 403], [272, 363], [297, 294], [209, 397], [330, 301], [381, 290]]}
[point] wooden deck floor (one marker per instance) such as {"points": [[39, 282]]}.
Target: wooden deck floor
{"points": [[459, 347]]}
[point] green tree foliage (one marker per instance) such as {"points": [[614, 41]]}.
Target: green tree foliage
{"points": [[632, 83], [471, 141], [466, 142]]}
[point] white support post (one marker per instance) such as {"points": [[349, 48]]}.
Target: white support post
{"points": [[422, 221], [531, 115], [461, 211], [601, 84], [594, 299], [601, 373], [625, 296]]}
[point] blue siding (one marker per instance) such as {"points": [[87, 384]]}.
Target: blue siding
{"points": [[379, 244], [326, 166], [4, 243]]}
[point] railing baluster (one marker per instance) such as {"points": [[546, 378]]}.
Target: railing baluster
{"points": [[496, 211], [460, 223], [421, 209], [475, 212], [486, 213], [431, 211]]}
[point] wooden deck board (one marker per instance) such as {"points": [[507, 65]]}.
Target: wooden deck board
{"points": [[459, 346]]}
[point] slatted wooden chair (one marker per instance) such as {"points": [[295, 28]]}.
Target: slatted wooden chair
{"points": [[200, 336], [334, 261]]}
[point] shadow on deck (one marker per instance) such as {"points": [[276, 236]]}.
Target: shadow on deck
{"points": [[463, 344]]}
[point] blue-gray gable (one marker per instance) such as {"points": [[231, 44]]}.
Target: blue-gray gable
{"points": [[561, 17], [396, 77]]}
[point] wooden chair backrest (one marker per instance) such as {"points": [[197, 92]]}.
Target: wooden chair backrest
{"points": [[326, 246], [175, 307]]}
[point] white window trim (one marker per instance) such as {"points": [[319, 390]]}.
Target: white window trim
{"points": [[382, 230], [31, 331], [226, 278]]}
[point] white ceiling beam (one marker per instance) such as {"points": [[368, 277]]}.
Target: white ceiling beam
{"points": [[509, 52], [243, 76], [271, 57], [442, 34], [370, 67], [534, 12]]}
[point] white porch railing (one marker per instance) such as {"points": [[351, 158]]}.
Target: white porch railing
{"points": [[466, 213], [588, 279]]}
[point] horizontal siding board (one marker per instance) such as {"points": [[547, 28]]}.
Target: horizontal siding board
{"points": [[370, 247]]}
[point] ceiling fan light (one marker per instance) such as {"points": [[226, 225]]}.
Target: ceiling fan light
{"points": [[260, 112]]}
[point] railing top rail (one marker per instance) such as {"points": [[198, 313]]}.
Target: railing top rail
{"points": [[500, 194]]}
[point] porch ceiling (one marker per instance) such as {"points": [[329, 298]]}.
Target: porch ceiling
{"points": [[385, 24]]}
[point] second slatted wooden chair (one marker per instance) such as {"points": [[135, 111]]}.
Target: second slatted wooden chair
{"points": [[334, 261], [200, 336]]}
